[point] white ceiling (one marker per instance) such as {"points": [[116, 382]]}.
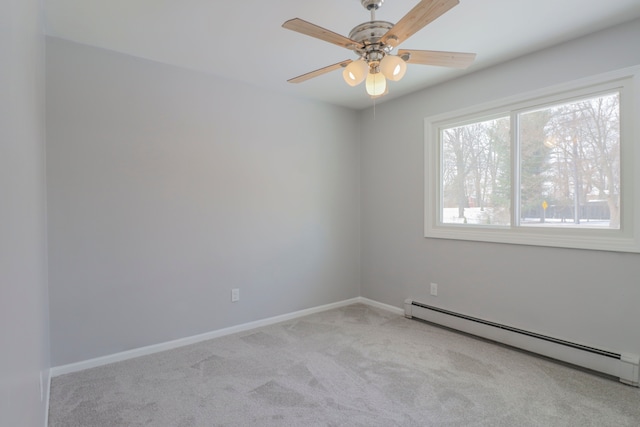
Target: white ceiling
{"points": [[243, 39]]}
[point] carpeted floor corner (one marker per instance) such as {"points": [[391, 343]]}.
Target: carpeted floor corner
{"points": [[352, 366]]}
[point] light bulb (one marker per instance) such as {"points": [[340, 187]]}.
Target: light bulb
{"points": [[355, 72], [393, 67], [376, 84]]}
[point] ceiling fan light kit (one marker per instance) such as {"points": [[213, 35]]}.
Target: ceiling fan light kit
{"points": [[355, 72], [376, 84], [373, 42], [393, 67]]}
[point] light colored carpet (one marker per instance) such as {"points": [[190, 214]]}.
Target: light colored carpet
{"points": [[353, 366]]}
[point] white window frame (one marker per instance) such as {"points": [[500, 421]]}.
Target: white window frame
{"points": [[625, 239]]}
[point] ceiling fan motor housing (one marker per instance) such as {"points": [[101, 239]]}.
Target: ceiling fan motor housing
{"points": [[370, 32], [369, 35]]}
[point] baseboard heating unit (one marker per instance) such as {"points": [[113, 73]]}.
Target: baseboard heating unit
{"points": [[618, 364]]}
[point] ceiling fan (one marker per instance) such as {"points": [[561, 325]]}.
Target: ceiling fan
{"points": [[374, 41]]}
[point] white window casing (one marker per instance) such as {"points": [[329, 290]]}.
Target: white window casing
{"points": [[624, 239]]}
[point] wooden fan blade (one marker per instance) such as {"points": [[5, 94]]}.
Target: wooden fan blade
{"points": [[317, 32], [319, 72], [439, 58], [422, 14]]}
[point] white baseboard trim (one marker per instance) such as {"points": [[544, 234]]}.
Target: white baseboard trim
{"points": [[47, 398], [382, 306], [169, 345]]}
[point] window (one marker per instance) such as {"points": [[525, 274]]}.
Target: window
{"points": [[554, 168]]}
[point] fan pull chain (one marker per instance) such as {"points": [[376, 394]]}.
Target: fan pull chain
{"points": [[374, 110]]}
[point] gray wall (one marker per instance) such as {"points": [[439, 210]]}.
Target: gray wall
{"points": [[587, 296], [24, 331], [167, 188]]}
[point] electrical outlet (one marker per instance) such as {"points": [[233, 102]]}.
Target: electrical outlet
{"points": [[434, 289], [235, 295]]}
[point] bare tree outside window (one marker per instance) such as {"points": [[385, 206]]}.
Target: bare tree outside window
{"points": [[476, 173], [570, 164]]}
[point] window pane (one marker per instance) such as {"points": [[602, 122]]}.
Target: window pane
{"points": [[476, 173], [570, 164]]}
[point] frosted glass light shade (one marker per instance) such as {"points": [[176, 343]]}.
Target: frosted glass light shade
{"points": [[355, 72], [393, 67], [382, 94], [376, 84]]}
